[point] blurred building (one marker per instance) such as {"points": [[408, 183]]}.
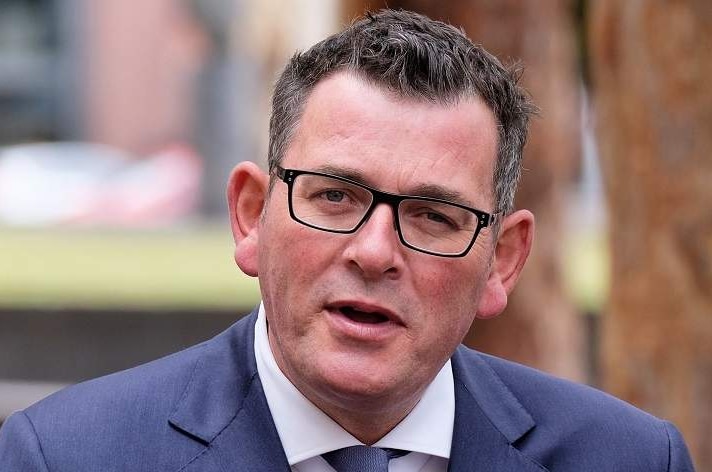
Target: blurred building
{"points": [[141, 76], [33, 55], [104, 71]]}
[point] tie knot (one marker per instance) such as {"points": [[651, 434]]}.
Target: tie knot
{"points": [[358, 459]]}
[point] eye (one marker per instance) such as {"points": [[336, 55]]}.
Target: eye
{"points": [[335, 196], [433, 218], [430, 217], [437, 218]]}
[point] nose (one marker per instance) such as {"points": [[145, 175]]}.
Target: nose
{"points": [[375, 249]]}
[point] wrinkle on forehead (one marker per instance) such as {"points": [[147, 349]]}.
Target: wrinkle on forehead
{"points": [[417, 176]]}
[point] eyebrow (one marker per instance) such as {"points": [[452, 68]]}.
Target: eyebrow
{"points": [[422, 190]]}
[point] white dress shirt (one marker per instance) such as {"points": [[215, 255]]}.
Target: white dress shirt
{"points": [[306, 432]]}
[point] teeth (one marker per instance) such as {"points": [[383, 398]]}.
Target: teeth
{"points": [[362, 316]]}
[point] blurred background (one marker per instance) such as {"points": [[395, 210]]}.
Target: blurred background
{"points": [[120, 121]]}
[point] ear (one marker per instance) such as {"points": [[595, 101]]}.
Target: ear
{"points": [[246, 193], [511, 251]]}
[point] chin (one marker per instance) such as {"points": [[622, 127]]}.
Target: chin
{"points": [[360, 385]]}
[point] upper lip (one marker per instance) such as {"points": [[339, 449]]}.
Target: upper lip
{"points": [[367, 307]]}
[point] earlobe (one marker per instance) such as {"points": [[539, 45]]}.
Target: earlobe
{"points": [[246, 193], [511, 252]]}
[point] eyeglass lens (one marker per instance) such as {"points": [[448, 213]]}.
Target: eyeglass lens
{"points": [[335, 205]]}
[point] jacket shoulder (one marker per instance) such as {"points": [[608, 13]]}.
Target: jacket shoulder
{"points": [[156, 382], [578, 427], [121, 421]]}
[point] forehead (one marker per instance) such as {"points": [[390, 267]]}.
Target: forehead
{"points": [[396, 144]]}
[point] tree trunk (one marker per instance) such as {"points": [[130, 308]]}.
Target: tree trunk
{"points": [[651, 64], [540, 326]]}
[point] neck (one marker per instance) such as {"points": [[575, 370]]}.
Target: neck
{"points": [[367, 419], [369, 428]]}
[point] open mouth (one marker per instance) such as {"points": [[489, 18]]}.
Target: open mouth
{"points": [[362, 316]]}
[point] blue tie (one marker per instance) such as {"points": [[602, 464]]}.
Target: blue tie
{"points": [[361, 458]]}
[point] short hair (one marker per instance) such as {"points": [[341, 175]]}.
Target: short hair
{"points": [[414, 57]]}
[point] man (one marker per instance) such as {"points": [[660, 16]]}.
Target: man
{"points": [[384, 226]]}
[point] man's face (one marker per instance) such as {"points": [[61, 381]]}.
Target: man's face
{"points": [[319, 288]]}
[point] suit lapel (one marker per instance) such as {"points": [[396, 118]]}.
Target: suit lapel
{"points": [[224, 408], [488, 420]]}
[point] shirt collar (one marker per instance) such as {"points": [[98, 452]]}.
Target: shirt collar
{"points": [[306, 431]]}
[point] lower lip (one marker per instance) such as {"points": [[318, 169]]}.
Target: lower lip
{"points": [[367, 332]]}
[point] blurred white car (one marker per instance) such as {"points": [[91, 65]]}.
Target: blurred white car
{"points": [[72, 183]]}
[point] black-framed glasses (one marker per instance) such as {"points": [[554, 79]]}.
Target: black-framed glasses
{"points": [[340, 205]]}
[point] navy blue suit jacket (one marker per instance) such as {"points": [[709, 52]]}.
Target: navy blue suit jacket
{"points": [[203, 409]]}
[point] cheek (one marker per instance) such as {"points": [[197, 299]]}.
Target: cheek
{"points": [[450, 297], [443, 284], [291, 264]]}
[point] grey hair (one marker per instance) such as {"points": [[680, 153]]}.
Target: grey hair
{"points": [[413, 57]]}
